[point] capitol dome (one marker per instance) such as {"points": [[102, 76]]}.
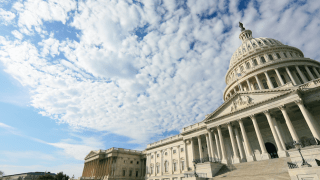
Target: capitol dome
{"points": [[265, 63]]}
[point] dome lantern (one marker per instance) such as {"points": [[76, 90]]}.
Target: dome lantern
{"points": [[245, 34]]}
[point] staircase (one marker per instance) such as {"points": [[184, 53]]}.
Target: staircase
{"points": [[273, 169]]}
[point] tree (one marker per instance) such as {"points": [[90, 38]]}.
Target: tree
{"points": [[1, 174], [46, 177], [61, 176]]}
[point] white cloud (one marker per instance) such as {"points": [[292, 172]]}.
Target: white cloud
{"points": [[5, 126], [17, 34], [6, 16], [112, 80]]}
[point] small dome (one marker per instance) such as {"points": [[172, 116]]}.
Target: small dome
{"points": [[250, 44]]}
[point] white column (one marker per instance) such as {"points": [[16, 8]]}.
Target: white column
{"points": [[217, 144], [301, 75], [171, 159], [192, 148], [250, 156], [281, 152], [208, 145], [291, 77], [155, 163], [258, 81], [316, 71], [211, 144], [309, 119], [264, 153], [308, 71], [279, 76], [268, 78], [161, 162], [179, 166], [236, 158], [200, 147], [241, 89], [249, 87], [186, 156], [276, 126], [239, 143], [223, 149], [289, 124]]}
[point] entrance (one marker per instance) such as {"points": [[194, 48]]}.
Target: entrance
{"points": [[271, 150]]}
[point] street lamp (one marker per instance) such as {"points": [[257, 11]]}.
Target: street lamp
{"points": [[304, 162]]}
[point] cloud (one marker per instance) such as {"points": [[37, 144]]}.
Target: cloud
{"points": [[141, 71], [5, 126], [6, 16], [17, 34], [31, 155]]}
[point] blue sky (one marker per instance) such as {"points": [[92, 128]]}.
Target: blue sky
{"points": [[94, 74]]}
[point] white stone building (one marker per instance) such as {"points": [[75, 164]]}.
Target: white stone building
{"points": [[271, 101]]}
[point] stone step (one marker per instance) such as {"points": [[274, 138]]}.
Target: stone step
{"points": [[264, 170]]}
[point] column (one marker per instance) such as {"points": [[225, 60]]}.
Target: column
{"points": [[200, 147], [308, 71], [248, 84], [238, 138], [240, 87], [217, 144], [155, 164], [316, 71], [279, 76], [208, 146], [223, 149], [281, 152], [276, 126], [309, 119], [264, 153], [171, 160], [291, 77], [234, 89], [301, 75], [250, 156], [186, 155], [179, 159], [236, 158], [161, 162], [259, 84], [192, 149], [268, 78], [211, 144]]}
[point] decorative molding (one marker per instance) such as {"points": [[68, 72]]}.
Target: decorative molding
{"points": [[282, 107], [266, 112], [299, 102], [241, 102]]}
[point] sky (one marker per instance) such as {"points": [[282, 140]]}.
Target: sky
{"points": [[82, 75]]}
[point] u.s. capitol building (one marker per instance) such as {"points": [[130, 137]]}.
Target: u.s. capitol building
{"points": [[271, 110]]}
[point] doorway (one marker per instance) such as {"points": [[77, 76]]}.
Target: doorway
{"points": [[271, 149]]}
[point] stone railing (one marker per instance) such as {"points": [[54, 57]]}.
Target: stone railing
{"points": [[201, 175], [193, 126], [304, 142], [166, 140], [122, 150], [292, 165], [206, 159]]}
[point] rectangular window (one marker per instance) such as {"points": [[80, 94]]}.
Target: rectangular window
{"points": [[151, 170], [131, 162], [174, 151], [130, 173], [137, 173], [151, 156], [158, 169], [158, 155], [123, 172], [137, 162], [174, 166], [182, 165], [181, 149]]}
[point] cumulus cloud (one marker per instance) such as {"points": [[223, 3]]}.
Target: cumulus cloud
{"points": [[142, 70], [6, 16], [17, 34]]}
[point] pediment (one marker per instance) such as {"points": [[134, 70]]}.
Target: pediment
{"points": [[92, 153], [245, 99]]}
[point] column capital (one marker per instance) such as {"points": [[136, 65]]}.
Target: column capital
{"points": [[299, 102], [266, 112], [252, 116], [282, 107]]}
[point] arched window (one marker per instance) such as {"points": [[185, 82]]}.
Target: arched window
{"points": [[255, 62], [278, 55], [270, 56], [166, 166], [256, 86], [285, 55], [262, 59], [248, 65], [265, 84], [274, 82], [284, 80], [241, 68], [158, 168]]}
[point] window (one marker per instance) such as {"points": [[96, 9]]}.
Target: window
{"points": [[241, 68], [274, 82], [151, 170], [270, 41], [254, 44], [151, 156], [291, 54], [124, 161], [260, 43], [265, 84], [123, 172], [285, 55], [182, 165], [131, 162], [284, 80], [158, 168], [255, 62], [165, 153], [181, 149], [130, 173], [278, 55], [166, 165], [158, 155], [174, 151], [270, 57], [137, 173], [174, 166], [248, 65], [256, 86], [262, 59], [137, 162]]}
